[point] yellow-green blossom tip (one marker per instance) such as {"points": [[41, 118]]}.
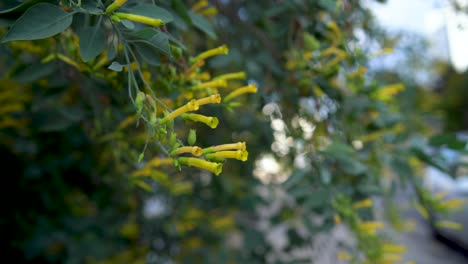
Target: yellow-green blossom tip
{"points": [[213, 167], [212, 99], [251, 88]]}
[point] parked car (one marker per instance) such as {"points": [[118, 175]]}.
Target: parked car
{"points": [[455, 186]]}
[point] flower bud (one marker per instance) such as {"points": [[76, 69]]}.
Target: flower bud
{"points": [[192, 137]]}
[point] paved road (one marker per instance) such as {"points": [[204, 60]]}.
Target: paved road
{"points": [[422, 248]]}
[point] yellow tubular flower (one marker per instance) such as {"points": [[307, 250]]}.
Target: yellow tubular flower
{"points": [[232, 146], [212, 99], [237, 154], [156, 162], [334, 51], [212, 84], [116, 4], [440, 195], [392, 248], [337, 219], [68, 61], [11, 108], [199, 5], [449, 225], [392, 258], [190, 106], [454, 203], [334, 28], [141, 19], [422, 211], [232, 76], [213, 167], [195, 151], [194, 67], [371, 226], [209, 11], [221, 50], [207, 120], [382, 52], [344, 256], [363, 203], [359, 72], [251, 88], [204, 76]]}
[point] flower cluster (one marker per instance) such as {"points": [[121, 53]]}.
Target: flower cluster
{"points": [[375, 248], [198, 89]]}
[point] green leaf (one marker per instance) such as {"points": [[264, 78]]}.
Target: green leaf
{"points": [[430, 159], [325, 175], [92, 42], [141, 156], [316, 199], [34, 72], [115, 66], [150, 10], [329, 5], [148, 53], [91, 8], [402, 168], [338, 149], [145, 186], [152, 37], [149, 43], [38, 22], [111, 51], [49, 120], [145, 34], [295, 178], [161, 42], [203, 24], [6, 22], [17, 11], [449, 139], [179, 7], [128, 24]]}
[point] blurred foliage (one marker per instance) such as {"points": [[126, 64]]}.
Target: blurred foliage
{"points": [[452, 88], [93, 124]]}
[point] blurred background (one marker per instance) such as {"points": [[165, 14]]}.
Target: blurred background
{"points": [[358, 101]]}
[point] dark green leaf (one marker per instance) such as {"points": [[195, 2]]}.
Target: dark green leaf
{"points": [[325, 175], [92, 42], [34, 24], [155, 41], [180, 8], [449, 140], [49, 120], [115, 66], [128, 24], [429, 159], [34, 72], [329, 5], [161, 42], [295, 178], [148, 53], [402, 169], [337, 148], [17, 11], [111, 51], [91, 8], [316, 198], [6, 22], [145, 34], [203, 24]]}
